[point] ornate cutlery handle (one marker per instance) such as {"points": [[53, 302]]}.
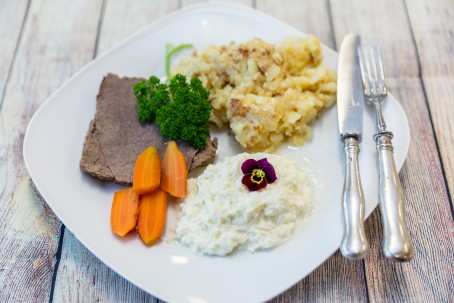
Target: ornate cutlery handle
{"points": [[396, 241], [354, 243]]}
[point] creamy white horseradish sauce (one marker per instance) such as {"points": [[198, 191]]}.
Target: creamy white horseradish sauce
{"points": [[220, 214]]}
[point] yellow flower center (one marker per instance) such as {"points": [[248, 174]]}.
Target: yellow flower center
{"points": [[257, 176]]}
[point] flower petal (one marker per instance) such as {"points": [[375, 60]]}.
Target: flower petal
{"points": [[251, 185], [263, 162], [270, 173], [268, 169], [249, 165]]}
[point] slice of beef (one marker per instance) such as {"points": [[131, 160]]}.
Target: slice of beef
{"points": [[116, 137]]}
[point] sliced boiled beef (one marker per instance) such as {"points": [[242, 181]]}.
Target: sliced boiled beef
{"points": [[116, 137]]}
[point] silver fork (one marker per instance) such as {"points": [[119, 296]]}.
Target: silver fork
{"points": [[396, 240]]}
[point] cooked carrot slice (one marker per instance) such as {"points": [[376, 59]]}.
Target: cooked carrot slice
{"points": [[152, 216], [123, 216], [147, 171], [174, 172]]}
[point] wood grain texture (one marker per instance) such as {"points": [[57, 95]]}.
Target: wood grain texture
{"points": [[185, 3], [12, 14], [83, 278], [426, 278], [29, 235], [311, 17], [433, 28], [121, 19], [52, 46], [336, 280]]}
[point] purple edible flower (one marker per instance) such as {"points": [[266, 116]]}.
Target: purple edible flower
{"points": [[257, 174]]}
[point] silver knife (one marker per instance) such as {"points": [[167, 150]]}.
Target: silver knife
{"points": [[350, 103]]}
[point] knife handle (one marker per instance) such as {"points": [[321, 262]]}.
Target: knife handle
{"points": [[354, 242], [396, 240]]}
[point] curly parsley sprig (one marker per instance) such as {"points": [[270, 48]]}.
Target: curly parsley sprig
{"points": [[180, 108]]}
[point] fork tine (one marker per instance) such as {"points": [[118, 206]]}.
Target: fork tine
{"points": [[372, 73], [380, 70], [374, 69], [363, 71], [367, 71]]}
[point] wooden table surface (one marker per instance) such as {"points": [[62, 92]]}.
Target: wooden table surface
{"points": [[44, 42]]}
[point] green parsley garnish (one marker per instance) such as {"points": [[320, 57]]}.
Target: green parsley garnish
{"points": [[180, 108]]}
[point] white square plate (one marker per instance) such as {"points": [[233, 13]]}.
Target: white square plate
{"points": [[53, 146]]}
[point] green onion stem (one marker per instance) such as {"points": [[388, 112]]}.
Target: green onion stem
{"points": [[170, 52]]}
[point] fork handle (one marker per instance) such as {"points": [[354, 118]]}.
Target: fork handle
{"points": [[354, 243], [396, 241]]}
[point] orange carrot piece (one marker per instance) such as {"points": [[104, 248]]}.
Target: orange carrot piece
{"points": [[174, 172], [123, 216], [147, 171], [152, 216]]}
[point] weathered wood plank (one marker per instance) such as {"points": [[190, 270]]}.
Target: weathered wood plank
{"points": [[189, 2], [121, 19], [12, 14], [81, 276], [84, 278], [426, 278], [47, 55], [310, 17], [28, 240], [338, 279], [433, 24]]}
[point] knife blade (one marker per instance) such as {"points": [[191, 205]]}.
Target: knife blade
{"points": [[350, 105], [350, 96]]}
